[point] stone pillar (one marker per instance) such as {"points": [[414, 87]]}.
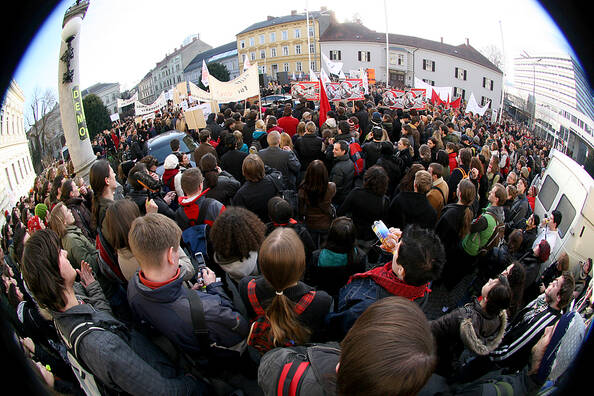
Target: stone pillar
{"points": [[71, 107]]}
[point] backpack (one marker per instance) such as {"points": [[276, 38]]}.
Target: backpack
{"points": [[357, 158], [495, 238], [195, 236], [464, 174], [260, 337], [288, 195]]}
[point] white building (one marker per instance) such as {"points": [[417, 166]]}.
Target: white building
{"points": [[461, 67], [107, 92], [16, 169], [560, 101]]}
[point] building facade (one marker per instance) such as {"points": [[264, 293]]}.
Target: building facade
{"points": [[146, 89], [170, 70], [280, 44], [461, 67], [224, 54], [107, 92], [559, 101], [16, 168]]}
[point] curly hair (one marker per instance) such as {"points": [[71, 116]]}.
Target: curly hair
{"points": [[236, 232]]}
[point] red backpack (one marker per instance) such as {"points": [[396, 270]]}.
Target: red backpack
{"points": [[355, 155], [260, 337]]}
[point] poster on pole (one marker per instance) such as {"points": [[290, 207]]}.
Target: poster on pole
{"points": [[195, 118], [310, 90], [406, 100], [238, 89], [114, 117], [350, 89]]}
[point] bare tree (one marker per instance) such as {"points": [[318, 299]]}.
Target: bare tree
{"points": [[494, 55], [41, 105]]}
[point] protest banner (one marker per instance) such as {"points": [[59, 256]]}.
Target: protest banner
{"points": [[127, 102], [142, 109], [406, 100], [238, 89], [114, 117], [310, 90], [199, 94], [195, 118], [474, 107], [205, 107], [350, 89]]}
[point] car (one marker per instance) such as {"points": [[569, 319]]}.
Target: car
{"points": [[270, 99], [159, 147]]}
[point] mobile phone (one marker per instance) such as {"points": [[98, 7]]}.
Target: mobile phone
{"points": [[380, 229], [200, 264]]}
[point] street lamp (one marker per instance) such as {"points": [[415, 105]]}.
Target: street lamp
{"points": [[526, 56]]}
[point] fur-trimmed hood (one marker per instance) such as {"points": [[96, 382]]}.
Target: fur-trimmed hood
{"points": [[474, 341]]}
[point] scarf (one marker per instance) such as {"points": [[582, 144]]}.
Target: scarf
{"points": [[386, 278]]}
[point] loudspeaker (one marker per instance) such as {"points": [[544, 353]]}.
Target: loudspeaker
{"points": [[282, 77]]}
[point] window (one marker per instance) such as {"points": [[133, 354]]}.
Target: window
{"points": [[487, 83], [21, 169], [430, 82], [312, 48], [311, 31], [262, 54], [364, 56], [298, 67], [272, 37], [243, 56], [272, 52], [297, 33], [262, 39], [15, 174], [459, 92], [460, 74], [252, 42], [568, 212], [313, 65], [252, 56], [400, 59], [262, 69], [547, 193], [242, 44], [285, 34], [274, 68], [298, 49], [428, 65], [485, 100], [285, 51], [286, 67], [8, 178], [335, 55]]}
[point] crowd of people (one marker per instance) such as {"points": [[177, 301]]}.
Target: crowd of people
{"points": [[292, 252]]}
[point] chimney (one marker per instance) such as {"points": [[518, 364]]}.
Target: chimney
{"points": [[293, 12], [467, 42], [442, 39], [269, 18]]}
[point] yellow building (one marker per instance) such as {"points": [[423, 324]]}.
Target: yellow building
{"points": [[279, 44]]}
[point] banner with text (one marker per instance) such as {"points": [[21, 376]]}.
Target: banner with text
{"points": [[350, 89], [240, 88], [406, 100], [310, 90], [199, 94], [127, 102], [142, 109]]}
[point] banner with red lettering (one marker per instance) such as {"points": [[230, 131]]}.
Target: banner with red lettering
{"points": [[349, 89], [406, 100], [310, 90]]}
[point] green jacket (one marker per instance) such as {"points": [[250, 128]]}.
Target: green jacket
{"points": [[79, 248], [474, 241]]}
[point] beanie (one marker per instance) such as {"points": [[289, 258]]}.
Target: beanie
{"points": [[41, 211], [171, 162]]}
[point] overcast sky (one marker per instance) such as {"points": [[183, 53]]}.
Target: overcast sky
{"points": [[122, 40]]}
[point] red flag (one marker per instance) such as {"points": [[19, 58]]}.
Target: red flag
{"points": [[456, 103], [435, 97], [324, 104]]}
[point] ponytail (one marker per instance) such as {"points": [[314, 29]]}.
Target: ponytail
{"points": [[284, 324], [99, 172]]}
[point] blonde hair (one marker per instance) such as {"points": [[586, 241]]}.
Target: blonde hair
{"points": [[286, 141], [57, 220], [151, 236], [260, 125]]}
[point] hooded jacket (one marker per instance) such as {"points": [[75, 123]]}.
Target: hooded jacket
{"points": [[190, 208], [343, 175], [468, 329]]}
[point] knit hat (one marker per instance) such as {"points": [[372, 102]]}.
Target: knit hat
{"points": [[41, 211], [563, 347], [171, 162], [34, 224], [331, 123], [544, 250]]}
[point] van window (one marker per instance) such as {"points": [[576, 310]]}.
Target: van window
{"points": [[548, 192], [568, 212]]}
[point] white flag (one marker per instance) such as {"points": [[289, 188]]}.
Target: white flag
{"points": [[246, 64], [324, 77], [293, 77], [312, 75], [341, 75], [333, 67], [205, 74], [363, 75]]}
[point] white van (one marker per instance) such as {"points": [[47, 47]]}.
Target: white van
{"points": [[568, 188]]}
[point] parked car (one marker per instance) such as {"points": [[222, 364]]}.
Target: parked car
{"points": [[159, 146], [268, 100]]}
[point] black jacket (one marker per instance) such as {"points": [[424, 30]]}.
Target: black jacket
{"points": [[248, 131], [343, 175], [411, 208], [372, 153], [308, 148], [225, 189], [140, 197], [364, 207], [232, 161], [255, 196]]}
